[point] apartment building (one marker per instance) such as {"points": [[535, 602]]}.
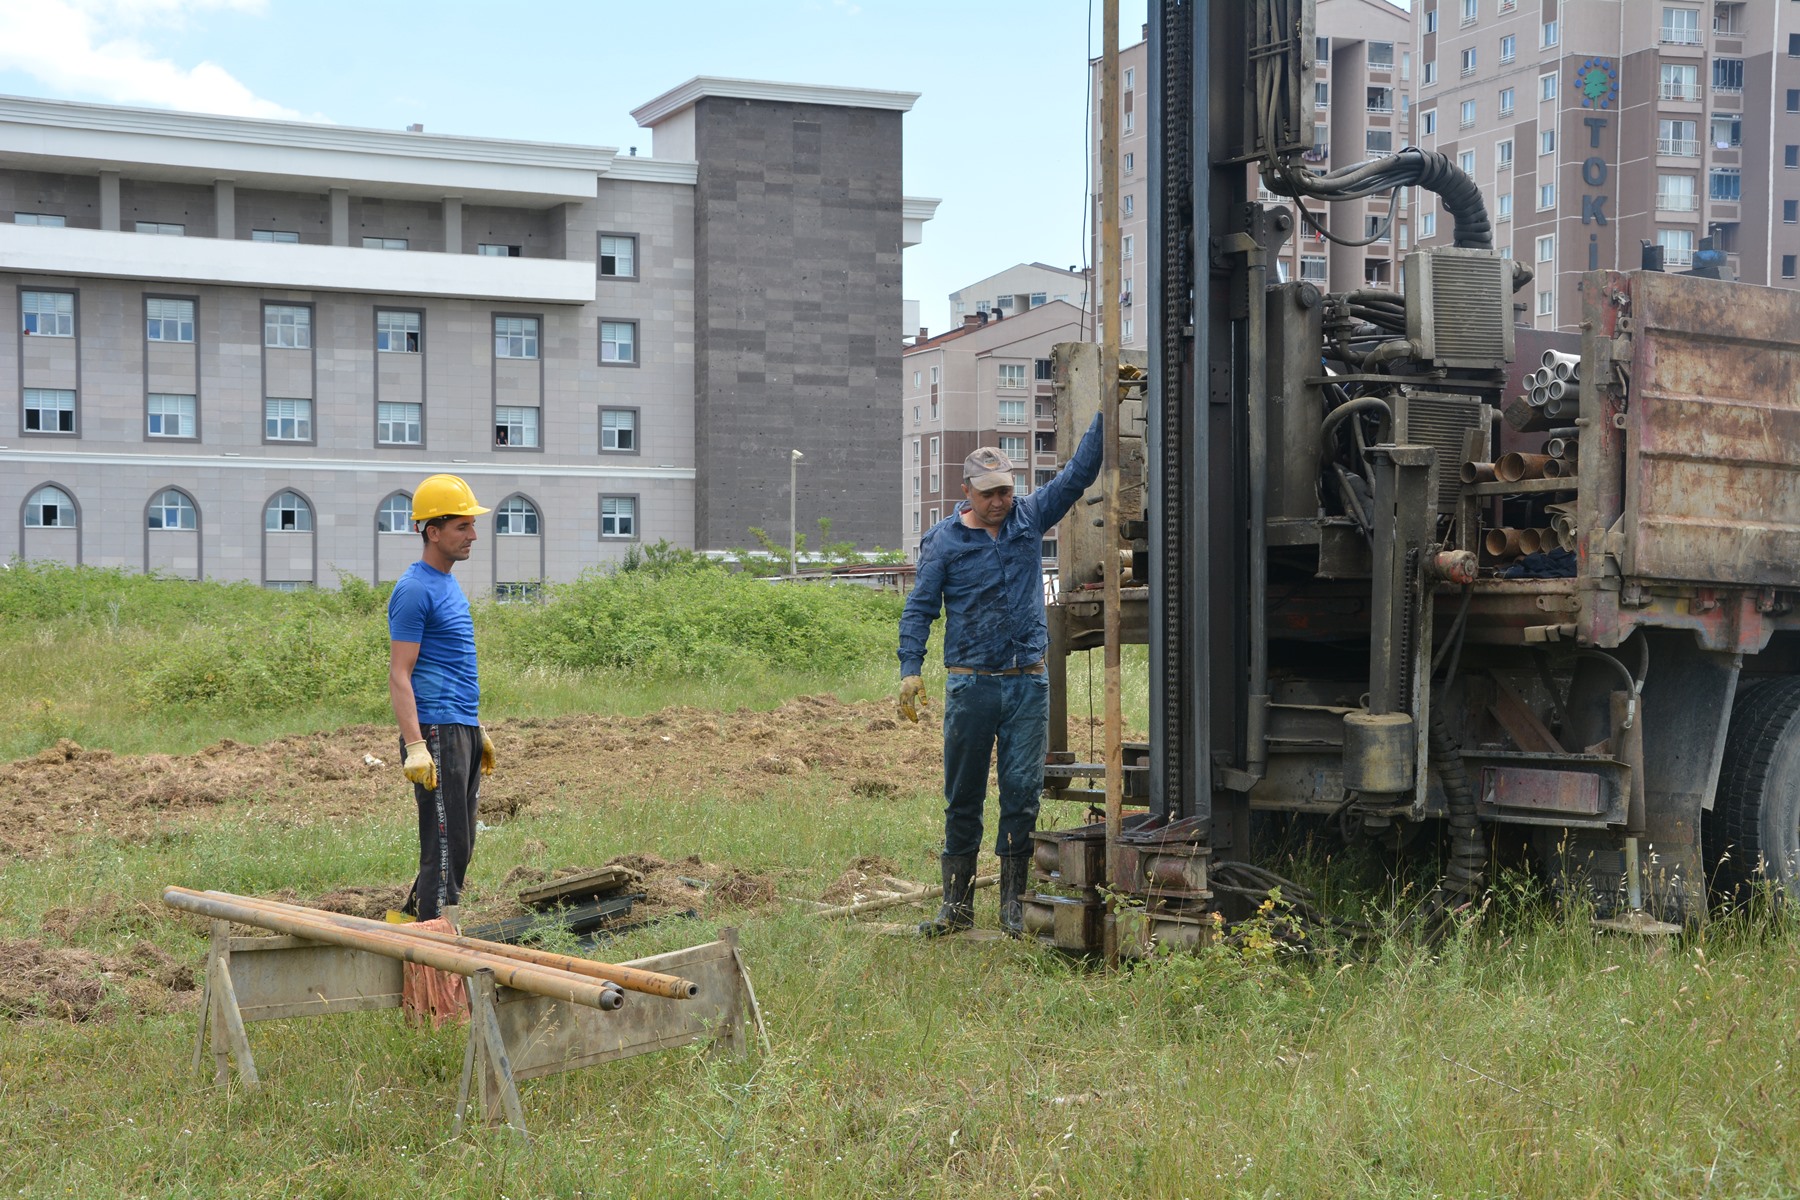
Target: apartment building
{"points": [[1599, 126], [1363, 87], [1019, 288], [986, 382], [240, 343]]}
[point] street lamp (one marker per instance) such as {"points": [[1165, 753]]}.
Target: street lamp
{"points": [[793, 531]]}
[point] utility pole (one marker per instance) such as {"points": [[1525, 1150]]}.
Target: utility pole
{"points": [[793, 530]]}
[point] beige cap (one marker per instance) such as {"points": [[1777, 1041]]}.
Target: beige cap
{"points": [[987, 468]]}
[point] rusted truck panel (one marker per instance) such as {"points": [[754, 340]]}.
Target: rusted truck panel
{"points": [[1711, 455]]}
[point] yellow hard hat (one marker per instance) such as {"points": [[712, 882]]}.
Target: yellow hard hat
{"points": [[444, 496]]}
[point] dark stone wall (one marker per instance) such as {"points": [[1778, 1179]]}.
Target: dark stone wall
{"points": [[797, 326]]}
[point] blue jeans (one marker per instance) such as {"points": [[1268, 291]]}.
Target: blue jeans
{"points": [[980, 710]]}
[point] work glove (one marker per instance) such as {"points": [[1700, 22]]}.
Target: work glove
{"points": [[418, 766], [912, 698], [487, 752]]}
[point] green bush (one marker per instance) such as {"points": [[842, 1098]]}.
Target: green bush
{"points": [[695, 618], [313, 654]]}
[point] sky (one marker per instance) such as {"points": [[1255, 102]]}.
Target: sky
{"points": [[999, 132]]}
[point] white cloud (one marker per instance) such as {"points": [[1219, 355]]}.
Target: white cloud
{"points": [[86, 48]]}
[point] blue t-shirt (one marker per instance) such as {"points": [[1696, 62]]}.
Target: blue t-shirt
{"points": [[428, 608]]}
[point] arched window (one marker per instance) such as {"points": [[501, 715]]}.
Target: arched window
{"points": [[516, 515], [173, 510], [288, 512], [50, 508], [395, 514]]}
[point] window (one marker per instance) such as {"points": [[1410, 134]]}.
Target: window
{"points": [[285, 236], [49, 220], [618, 341], [163, 228], [171, 416], [1725, 183], [1504, 207], [618, 429], [1130, 205], [515, 337], [1321, 94], [49, 508], [1312, 268], [48, 314], [1405, 73], [915, 487], [482, 249], [1043, 369], [1676, 193], [395, 514], [1509, 48], [288, 512], [1431, 21], [1548, 35], [1130, 118], [516, 425], [1678, 81], [1322, 51], [1013, 446], [1678, 246], [168, 320], [1794, 45], [936, 456], [399, 424], [1130, 162], [915, 449], [1466, 161], [915, 519], [172, 510], [1681, 26], [516, 517], [1127, 244], [1125, 329], [1727, 130], [1790, 211], [49, 410], [1503, 154], [1428, 73], [1130, 78], [1379, 100], [1546, 196], [1012, 412], [1428, 122], [936, 480], [1506, 102], [618, 255], [1427, 225], [287, 420], [1728, 75], [1791, 158], [618, 516], [288, 326], [1546, 248], [384, 243], [1470, 11], [1468, 61], [1381, 54], [1379, 141], [1678, 138], [1547, 141], [397, 331], [1787, 266], [1468, 113], [1011, 375], [1546, 304], [917, 414]]}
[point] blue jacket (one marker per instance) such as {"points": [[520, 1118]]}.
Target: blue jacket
{"points": [[992, 588]]}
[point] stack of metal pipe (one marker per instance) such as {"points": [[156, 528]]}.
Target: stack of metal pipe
{"points": [[1555, 385]]}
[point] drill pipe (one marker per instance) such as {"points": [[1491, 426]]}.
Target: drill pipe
{"points": [[1511, 468], [1529, 541], [631, 978], [1502, 543], [541, 981], [1478, 472], [1548, 539]]}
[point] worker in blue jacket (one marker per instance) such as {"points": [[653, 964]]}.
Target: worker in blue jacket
{"points": [[983, 566]]}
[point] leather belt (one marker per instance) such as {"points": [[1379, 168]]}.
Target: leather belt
{"points": [[1036, 668]]}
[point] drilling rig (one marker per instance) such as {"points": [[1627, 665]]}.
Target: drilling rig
{"points": [[1405, 568]]}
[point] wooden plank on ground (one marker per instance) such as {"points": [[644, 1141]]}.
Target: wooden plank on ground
{"points": [[577, 887]]}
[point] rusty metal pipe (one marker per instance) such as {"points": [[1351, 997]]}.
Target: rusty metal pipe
{"points": [[1511, 468], [1529, 541], [1547, 539], [652, 983], [1501, 543], [541, 981], [1478, 472], [1554, 468]]}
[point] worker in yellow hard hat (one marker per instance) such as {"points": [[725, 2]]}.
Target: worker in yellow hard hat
{"points": [[436, 694]]}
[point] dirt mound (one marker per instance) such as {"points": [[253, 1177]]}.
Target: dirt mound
{"points": [[693, 883], [39, 982], [370, 902], [866, 874]]}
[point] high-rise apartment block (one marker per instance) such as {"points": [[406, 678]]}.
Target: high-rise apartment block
{"points": [[1017, 289], [1597, 126], [238, 344]]}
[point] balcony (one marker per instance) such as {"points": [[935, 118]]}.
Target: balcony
{"points": [[1678, 147], [1676, 256], [1669, 90], [198, 260], [1677, 202], [1673, 35]]}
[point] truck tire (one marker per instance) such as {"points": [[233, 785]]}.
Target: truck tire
{"points": [[1752, 833]]}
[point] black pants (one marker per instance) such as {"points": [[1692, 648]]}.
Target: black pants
{"points": [[447, 816]]}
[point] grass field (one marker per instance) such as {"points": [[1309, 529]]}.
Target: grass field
{"points": [[1526, 1057]]}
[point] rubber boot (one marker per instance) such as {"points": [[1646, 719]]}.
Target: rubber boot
{"points": [[1013, 871], [958, 909]]}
